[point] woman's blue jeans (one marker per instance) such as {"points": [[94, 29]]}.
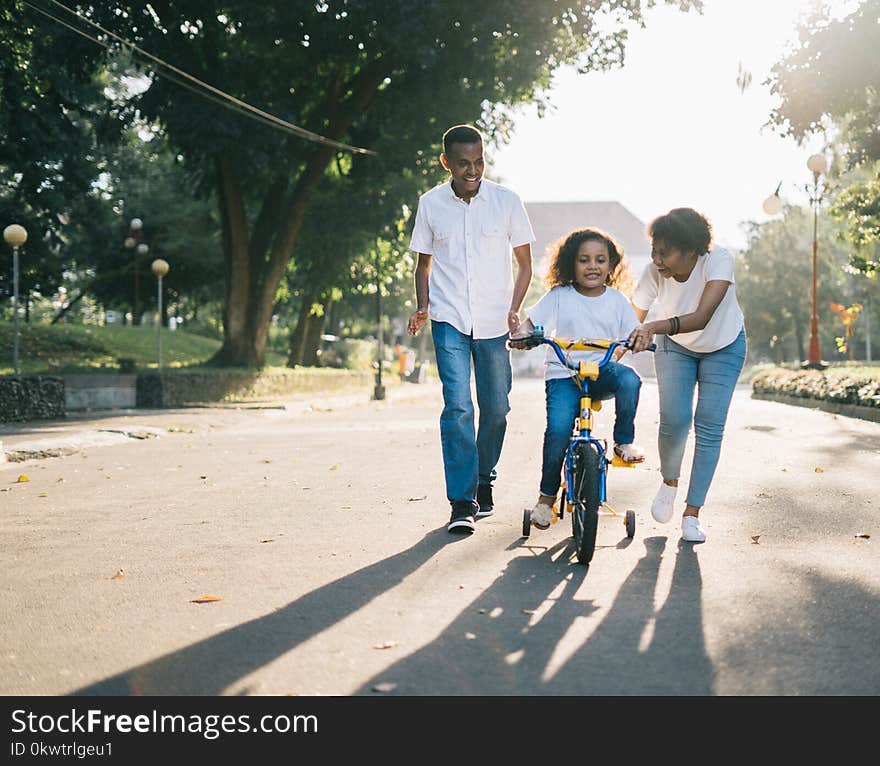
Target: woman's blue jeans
{"points": [[615, 381], [469, 458], [714, 375]]}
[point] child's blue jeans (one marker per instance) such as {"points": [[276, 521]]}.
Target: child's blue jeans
{"points": [[615, 381]]}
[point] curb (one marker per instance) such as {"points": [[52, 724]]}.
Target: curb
{"points": [[836, 408]]}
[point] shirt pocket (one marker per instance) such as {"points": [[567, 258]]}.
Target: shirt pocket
{"points": [[442, 238]]}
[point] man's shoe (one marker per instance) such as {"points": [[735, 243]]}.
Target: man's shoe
{"points": [[484, 501], [462, 520], [691, 530]]}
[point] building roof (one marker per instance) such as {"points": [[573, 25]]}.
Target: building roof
{"points": [[552, 220]]}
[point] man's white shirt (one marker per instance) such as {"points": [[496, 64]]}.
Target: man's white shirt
{"points": [[471, 281]]}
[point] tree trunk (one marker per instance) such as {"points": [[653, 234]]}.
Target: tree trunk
{"points": [[312, 345], [298, 334]]}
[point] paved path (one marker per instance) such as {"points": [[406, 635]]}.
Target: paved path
{"points": [[322, 530]]}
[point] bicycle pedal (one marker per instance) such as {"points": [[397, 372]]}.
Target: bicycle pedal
{"points": [[619, 462]]}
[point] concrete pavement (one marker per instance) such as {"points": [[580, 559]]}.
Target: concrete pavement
{"points": [[322, 531]]}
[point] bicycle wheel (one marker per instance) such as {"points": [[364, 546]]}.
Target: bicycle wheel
{"points": [[585, 514]]}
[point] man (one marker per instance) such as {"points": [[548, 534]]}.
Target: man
{"points": [[463, 233]]}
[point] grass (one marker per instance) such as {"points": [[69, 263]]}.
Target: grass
{"points": [[67, 348]]}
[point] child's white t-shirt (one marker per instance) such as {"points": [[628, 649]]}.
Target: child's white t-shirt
{"points": [[565, 313], [679, 298]]}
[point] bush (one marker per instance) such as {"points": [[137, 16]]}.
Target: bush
{"points": [[846, 385]]}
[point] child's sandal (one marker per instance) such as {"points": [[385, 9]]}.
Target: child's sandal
{"points": [[629, 453]]}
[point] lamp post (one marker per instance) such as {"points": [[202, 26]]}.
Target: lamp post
{"points": [[160, 269], [818, 165], [133, 242], [379, 389], [15, 236]]}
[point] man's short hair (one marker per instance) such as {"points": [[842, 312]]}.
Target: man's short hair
{"points": [[461, 134]]}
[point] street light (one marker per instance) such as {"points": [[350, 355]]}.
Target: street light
{"points": [[773, 204], [160, 269], [15, 236], [133, 242], [817, 165]]}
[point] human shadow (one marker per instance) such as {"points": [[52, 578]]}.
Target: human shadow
{"points": [[210, 666], [531, 633]]}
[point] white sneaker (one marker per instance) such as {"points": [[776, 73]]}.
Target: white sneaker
{"points": [[662, 507], [542, 515], [691, 530]]}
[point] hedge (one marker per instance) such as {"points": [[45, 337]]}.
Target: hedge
{"points": [[31, 397], [844, 385], [173, 388]]}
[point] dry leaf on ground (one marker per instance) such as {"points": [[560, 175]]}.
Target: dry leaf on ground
{"points": [[865, 535], [119, 575], [24, 477], [384, 687], [386, 645], [820, 470], [755, 538], [205, 599]]}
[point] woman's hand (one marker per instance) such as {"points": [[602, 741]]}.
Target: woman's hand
{"points": [[417, 321], [641, 338]]}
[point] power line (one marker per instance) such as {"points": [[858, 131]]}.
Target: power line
{"points": [[219, 97]]}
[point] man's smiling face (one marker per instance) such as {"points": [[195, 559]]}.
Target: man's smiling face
{"points": [[466, 164]]}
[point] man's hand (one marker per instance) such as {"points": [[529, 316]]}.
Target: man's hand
{"points": [[513, 321], [417, 321]]}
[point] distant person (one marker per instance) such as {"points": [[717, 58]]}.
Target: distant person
{"points": [[463, 233], [692, 286], [583, 303]]}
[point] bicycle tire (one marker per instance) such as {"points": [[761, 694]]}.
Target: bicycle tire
{"points": [[585, 514]]}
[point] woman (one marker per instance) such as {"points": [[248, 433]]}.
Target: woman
{"points": [[692, 286]]}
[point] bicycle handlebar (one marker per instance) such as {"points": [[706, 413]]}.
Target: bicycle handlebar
{"points": [[537, 337]]}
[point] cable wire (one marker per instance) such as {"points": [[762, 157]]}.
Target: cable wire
{"points": [[215, 95]]}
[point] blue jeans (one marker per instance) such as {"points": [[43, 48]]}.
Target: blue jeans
{"points": [[470, 458], [615, 381], [714, 375]]}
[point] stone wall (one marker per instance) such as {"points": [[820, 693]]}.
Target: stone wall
{"points": [[31, 397]]}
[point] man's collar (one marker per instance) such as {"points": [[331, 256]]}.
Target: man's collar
{"points": [[480, 196]]}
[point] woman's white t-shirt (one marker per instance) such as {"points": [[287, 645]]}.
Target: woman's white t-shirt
{"points": [[564, 313], [678, 298]]}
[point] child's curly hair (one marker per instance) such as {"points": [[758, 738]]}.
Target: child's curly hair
{"points": [[564, 256]]}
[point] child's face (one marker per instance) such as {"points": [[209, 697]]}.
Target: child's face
{"points": [[591, 267]]}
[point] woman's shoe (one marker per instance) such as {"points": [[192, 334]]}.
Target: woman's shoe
{"points": [[691, 530], [662, 507]]}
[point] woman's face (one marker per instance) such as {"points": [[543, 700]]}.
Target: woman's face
{"points": [[670, 261]]}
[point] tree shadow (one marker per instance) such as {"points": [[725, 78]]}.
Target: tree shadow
{"points": [[211, 666], [530, 633]]}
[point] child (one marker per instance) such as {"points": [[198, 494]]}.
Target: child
{"points": [[582, 303]]}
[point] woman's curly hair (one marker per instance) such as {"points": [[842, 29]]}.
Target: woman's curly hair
{"points": [[684, 229], [561, 271]]}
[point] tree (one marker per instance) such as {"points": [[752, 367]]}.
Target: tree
{"points": [[52, 112], [774, 285], [389, 76]]}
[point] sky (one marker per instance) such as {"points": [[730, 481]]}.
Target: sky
{"points": [[671, 128]]}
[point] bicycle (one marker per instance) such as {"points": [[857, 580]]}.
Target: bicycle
{"points": [[584, 490]]}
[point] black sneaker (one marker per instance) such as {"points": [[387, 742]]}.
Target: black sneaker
{"points": [[462, 519], [484, 501]]}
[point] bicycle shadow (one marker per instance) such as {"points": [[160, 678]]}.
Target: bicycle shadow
{"points": [[211, 666], [534, 633]]}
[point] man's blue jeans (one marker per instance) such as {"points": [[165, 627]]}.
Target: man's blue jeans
{"points": [[615, 381], [470, 458], [679, 371]]}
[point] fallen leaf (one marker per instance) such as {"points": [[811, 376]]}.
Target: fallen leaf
{"points": [[205, 599], [865, 535], [755, 538], [23, 478], [59, 480], [820, 470], [269, 540], [344, 507], [384, 687], [470, 636], [203, 477], [119, 575], [416, 499], [43, 494], [528, 611], [386, 645], [265, 461], [334, 467]]}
